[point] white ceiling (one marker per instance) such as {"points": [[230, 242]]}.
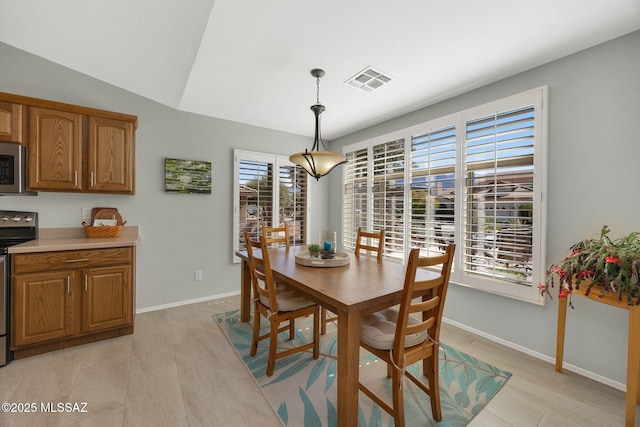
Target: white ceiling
{"points": [[250, 60]]}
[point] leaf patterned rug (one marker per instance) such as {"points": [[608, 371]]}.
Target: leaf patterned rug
{"points": [[302, 391]]}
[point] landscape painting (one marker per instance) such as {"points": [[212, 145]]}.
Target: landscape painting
{"points": [[187, 176]]}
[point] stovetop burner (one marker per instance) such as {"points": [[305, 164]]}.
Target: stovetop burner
{"points": [[17, 227]]}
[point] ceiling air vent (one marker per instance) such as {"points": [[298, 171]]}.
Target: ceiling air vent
{"points": [[369, 79]]}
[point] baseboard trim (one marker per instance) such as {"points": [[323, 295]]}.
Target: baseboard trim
{"points": [[569, 367], [186, 302]]}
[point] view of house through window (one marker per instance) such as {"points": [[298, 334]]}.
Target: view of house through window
{"points": [[268, 190], [474, 178]]}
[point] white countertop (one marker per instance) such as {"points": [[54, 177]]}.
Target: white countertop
{"points": [[65, 239]]}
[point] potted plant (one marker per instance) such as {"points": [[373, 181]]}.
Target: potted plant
{"points": [[610, 265], [314, 250]]}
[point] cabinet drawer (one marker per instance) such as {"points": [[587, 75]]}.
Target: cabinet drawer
{"points": [[58, 260]]}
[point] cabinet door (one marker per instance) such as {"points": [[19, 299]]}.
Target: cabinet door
{"points": [[107, 298], [55, 150], [110, 156], [42, 307], [11, 122]]}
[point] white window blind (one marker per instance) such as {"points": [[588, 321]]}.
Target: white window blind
{"points": [[475, 178], [387, 210], [268, 190], [355, 190], [433, 162], [500, 195], [293, 202]]}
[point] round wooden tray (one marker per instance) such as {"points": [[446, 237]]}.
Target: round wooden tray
{"points": [[303, 258]]}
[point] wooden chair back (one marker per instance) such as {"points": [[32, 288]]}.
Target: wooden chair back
{"points": [[261, 274], [429, 309], [367, 245], [273, 235]]}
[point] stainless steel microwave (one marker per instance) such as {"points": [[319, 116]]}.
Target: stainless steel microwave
{"points": [[13, 167]]}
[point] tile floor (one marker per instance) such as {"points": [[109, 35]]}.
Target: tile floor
{"points": [[177, 369]]}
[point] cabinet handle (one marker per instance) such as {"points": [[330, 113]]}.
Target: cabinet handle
{"points": [[77, 260], [68, 284], [91, 176], [86, 277], [75, 178]]}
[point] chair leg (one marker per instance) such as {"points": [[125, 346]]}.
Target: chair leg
{"points": [[273, 346], [323, 321], [316, 333], [256, 331], [432, 364], [292, 328], [398, 402]]}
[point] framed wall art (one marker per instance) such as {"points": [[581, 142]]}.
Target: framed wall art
{"points": [[187, 176]]}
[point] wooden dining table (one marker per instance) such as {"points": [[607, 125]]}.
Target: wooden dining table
{"points": [[351, 291]]}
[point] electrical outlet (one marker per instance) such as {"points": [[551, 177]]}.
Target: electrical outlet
{"points": [[197, 275], [86, 215]]}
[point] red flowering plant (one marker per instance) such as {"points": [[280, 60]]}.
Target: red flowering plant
{"points": [[613, 264]]}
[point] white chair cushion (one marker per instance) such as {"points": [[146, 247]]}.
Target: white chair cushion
{"points": [[379, 329], [288, 300]]}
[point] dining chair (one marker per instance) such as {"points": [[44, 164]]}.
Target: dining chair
{"points": [[275, 235], [399, 338], [277, 305], [365, 241]]}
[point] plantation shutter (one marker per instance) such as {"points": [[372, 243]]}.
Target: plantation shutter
{"points": [[387, 210], [293, 202], [256, 183], [500, 195], [433, 162], [355, 177]]}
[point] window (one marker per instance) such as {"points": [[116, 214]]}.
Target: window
{"points": [[475, 178], [271, 190]]}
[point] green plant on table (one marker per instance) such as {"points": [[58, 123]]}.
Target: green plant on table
{"points": [[314, 250], [612, 264]]}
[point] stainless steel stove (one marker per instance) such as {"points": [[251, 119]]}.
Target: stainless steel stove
{"points": [[15, 227]]}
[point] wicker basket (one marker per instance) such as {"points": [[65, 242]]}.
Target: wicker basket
{"points": [[103, 231]]}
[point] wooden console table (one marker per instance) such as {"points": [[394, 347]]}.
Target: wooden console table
{"points": [[633, 350]]}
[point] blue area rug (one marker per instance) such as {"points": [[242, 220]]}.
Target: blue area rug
{"points": [[302, 390]]}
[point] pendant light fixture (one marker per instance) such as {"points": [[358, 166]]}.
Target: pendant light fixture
{"points": [[318, 163]]}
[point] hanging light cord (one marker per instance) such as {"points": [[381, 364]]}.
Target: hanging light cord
{"points": [[319, 140]]}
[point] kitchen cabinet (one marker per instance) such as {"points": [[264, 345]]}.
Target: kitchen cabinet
{"points": [[106, 299], [71, 148], [65, 298], [110, 155], [55, 150], [12, 122], [44, 307]]}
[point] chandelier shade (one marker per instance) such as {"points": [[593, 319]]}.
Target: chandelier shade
{"points": [[318, 163]]}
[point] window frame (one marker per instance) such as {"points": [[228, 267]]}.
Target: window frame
{"points": [[277, 161], [538, 98]]}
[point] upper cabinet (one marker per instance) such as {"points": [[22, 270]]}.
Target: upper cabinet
{"points": [[71, 148], [12, 123], [55, 150], [110, 155]]}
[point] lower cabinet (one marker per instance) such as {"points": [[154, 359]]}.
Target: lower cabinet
{"points": [[43, 307], [65, 298], [106, 298]]}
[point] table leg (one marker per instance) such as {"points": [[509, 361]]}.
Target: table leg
{"points": [[562, 319], [348, 368], [245, 292], [633, 365]]}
